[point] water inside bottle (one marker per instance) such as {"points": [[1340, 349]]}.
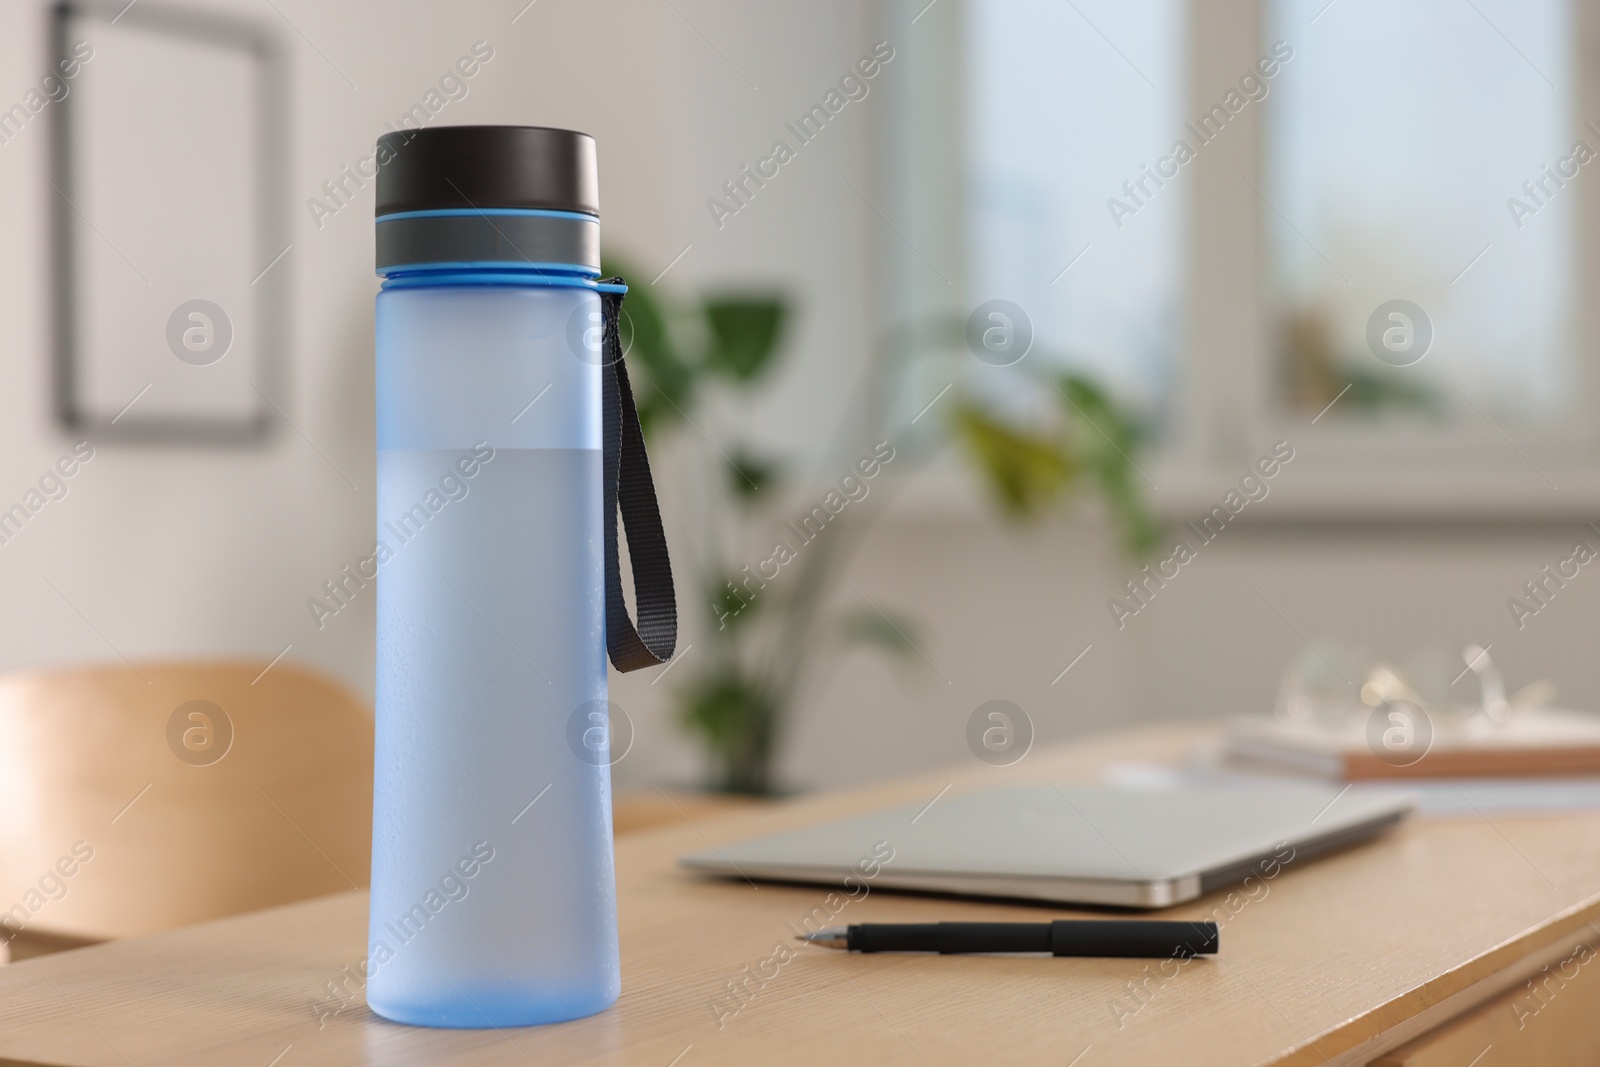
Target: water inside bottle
{"points": [[491, 636]]}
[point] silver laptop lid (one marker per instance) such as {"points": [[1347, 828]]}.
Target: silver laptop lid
{"points": [[1070, 844]]}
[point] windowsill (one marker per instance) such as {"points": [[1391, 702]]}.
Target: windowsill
{"points": [[1310, 491], [1311, 495]]}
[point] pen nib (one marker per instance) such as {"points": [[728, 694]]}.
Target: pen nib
{"points": [[828, 937]]}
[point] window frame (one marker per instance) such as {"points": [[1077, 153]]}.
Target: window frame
{"points": [[1226, 413]]}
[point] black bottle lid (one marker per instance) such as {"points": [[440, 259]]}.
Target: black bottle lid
{"points": [[487, 167]]}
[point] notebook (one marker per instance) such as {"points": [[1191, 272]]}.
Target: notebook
{"points": [[1540, 741]]}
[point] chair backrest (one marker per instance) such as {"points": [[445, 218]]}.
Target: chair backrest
{"points": [[139, 798]]}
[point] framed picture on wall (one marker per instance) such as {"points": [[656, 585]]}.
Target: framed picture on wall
{"points": [[170, 233]]}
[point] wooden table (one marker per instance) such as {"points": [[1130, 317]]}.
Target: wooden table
{"points": [[1426, 937]]}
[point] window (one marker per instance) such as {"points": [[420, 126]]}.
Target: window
{"points": [[1067, 103], [1380, 250], [1425, 152]]}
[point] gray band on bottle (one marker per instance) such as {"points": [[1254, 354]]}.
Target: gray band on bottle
{"points": [[488, 238]]}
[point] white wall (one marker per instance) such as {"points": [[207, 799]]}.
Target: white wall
{"points": [[1005, 611], [171, 552]]}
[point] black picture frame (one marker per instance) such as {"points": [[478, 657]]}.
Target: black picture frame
{"points": [[271, 224]]}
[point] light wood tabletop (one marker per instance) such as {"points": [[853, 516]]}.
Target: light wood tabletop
{"points": [[1337, 960]]}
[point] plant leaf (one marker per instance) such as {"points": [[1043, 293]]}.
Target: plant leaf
{"points": [[1103, 422], [744, 333], [726, 708], [890, 632], [1106, 438], [1026, 471], [665, 389], [750, 476], [732, 604]]}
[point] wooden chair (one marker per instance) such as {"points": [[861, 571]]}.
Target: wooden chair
{"points": [[137, 799]]}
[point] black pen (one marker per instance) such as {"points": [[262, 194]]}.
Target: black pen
{"points": [[1064, 937]]}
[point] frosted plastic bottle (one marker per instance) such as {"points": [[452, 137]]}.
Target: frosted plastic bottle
{"points": [[493, 893]]}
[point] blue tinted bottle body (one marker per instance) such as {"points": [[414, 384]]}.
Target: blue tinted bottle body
{"points": [[493, 891]]}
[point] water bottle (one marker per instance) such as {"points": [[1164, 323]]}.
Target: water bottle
{"points": [[505, 431]]}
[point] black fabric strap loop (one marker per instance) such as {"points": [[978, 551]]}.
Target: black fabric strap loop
{"points": [[628, 486]]}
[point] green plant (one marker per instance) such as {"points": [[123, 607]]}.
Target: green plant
{"points": [[766, 629]]}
